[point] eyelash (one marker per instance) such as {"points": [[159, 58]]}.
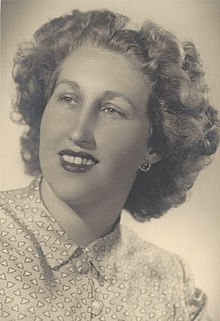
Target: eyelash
{"points": [[108, 109], [112, 111], [68, 99]]}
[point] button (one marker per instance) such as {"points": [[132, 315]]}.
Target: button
{"points": [[83, 267], [96, 307]]}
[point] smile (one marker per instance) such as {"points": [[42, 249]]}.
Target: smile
{"points": [[77, 162]]}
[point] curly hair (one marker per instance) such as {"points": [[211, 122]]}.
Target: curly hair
{"points": [[185, 126]]}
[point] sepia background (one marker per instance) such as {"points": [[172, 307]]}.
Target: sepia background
{"points": [[192, 231]]}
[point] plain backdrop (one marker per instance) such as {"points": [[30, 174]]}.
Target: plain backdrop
{"points": [[191, 230]]}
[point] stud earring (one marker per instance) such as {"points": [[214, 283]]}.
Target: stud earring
{"points": [[145, 167]]}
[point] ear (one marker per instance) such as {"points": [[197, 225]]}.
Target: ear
{"points": [[151, 156]]}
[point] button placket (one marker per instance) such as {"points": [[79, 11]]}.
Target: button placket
{"points": [[96, 281], [85, 266]]}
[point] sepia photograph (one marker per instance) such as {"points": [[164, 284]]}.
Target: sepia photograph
{"points": [[110, 180]]}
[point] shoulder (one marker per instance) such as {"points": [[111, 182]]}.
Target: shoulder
{"points": [[11, 214], [14, 200], [11, 201], [15, 207], [154, 267], [159, 273], [147, 253]]}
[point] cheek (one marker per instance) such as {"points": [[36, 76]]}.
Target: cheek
{"points": [[52, 126], [49, 132], [127, 144], [46, 121]]}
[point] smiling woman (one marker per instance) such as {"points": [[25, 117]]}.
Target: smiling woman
{"points": [[117, 119], [102, 116]]}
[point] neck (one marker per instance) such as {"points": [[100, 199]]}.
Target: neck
{"points": [[84, 224]]}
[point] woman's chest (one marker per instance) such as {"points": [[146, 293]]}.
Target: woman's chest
{"points": [[80, 292]]}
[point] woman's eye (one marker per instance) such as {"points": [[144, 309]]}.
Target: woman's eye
{"points": [[72, 101], [110, 110]]}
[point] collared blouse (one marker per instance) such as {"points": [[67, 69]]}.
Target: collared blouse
{"points": [[45, 275]]}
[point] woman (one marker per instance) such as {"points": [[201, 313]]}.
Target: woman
{"points": [[117, 118]]}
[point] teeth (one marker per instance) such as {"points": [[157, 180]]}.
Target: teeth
{"points": [[90, 162], [69, 159], [78, 160]]}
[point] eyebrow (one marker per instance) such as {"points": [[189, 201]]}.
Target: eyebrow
{"points": [[114, 94], [71, 83], [109, 94]]}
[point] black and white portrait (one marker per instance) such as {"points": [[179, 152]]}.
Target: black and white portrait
{"points": [[109, 202]]}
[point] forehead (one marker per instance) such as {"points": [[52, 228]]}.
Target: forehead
{"points": [[101, 57], [108, 68]]}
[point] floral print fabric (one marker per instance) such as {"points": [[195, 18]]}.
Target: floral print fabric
{"points": [[44, 275]]}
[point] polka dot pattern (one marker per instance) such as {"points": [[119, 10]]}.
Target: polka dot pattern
{"points": [[44, 275]]}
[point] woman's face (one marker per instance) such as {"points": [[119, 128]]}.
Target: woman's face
{"points": [[95, 127]]}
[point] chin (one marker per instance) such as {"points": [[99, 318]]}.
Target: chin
{"points": [[70, 190]]}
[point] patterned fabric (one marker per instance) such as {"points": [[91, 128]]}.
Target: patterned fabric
{"points": [[44, 275]]}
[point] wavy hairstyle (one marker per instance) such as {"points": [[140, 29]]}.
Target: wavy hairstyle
{"points": [[184, 124]]}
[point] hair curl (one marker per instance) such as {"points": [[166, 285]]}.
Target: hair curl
{"points": [[184, 124]]}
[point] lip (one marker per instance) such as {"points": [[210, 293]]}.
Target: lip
{"points": [[76, 168]]}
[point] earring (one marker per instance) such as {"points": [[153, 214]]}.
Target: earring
{"points": [[145, 167]]}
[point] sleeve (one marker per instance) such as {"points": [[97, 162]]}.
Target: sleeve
{"points": [[195, 299]]}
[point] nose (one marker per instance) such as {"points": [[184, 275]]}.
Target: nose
{"points": [[82, 133]]}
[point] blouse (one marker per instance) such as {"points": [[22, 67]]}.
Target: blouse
{"points": [[45, 275]]}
